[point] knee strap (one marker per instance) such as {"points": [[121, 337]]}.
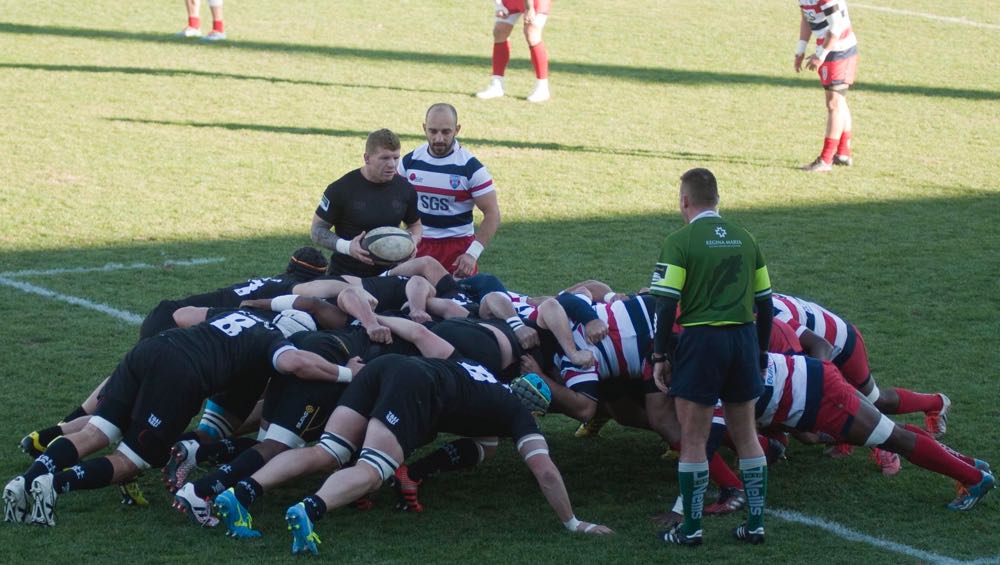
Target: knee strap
{"points": [[881, 432], [341, 449], [110, 430], [873, 395], [380, 460]]}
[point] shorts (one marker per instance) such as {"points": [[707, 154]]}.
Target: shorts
{"points": [[516, 7], [297, 409], [479, 285], [159, 319], [473, 341], [402, 393], [389, 291], [446, 250], [853, 360], [839, 69], [714, 362], [839, 405]]}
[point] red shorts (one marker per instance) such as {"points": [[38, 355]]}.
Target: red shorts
{"points": [[839, 404], [853, 360], [446, 250], [838, 74], [517, 6]]}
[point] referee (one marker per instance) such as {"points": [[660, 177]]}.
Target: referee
{"points": [[716, 271]]}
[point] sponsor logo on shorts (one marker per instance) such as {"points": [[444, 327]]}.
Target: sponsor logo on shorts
{"points": [[154, 421], [310, 409], [392, 418]]}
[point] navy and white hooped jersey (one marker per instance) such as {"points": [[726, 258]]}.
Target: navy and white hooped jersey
{"points": [[446, 187], [793, 389]]}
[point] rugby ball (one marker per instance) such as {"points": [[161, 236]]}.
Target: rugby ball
{"points": [[388, 245]]}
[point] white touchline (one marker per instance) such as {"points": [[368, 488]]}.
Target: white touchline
{"points": [[104, 308], [852, 535], [934, 17], [112, 267]]}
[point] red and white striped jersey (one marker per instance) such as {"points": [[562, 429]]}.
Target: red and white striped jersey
{"points": [[822, 15], [793, 387], [621, 353], [800, 314]]}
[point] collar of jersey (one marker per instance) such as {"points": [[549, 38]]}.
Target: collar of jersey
{"points": [[705, 214]]}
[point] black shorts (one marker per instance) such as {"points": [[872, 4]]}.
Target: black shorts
{"points": [[714, 362], [239, 401], [402, 393], [152, 397], [299, 408], [474, 341], [389, 291], [159, 319]]}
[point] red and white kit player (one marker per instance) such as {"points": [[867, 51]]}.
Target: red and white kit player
{"points": [[851, 357], [536, 13], [836, 61]]}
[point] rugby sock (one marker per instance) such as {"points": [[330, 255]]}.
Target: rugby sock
{"points": [[721, 474], [446, 287], [961, 456], [910, 402], [92, 474], [194, 22], [539, 60], [227, 475], [693, 479], [829, 147], [77, 412], [60, 454], [218, 26], [46, 436], [932, 456], [754, 473], [844, 147], [315, 507], [452, 456], [248, 491], [501, 56], [224, 450]]}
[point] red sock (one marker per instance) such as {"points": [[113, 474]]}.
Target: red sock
{"points": [[844, 148], [961, 456], [501, 56], [218, 26], [910, 402], [194, 22], [721, 474], [829, 146], [932, 456], [540, 60]]}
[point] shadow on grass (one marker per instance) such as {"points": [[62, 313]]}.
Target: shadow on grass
{"points": [[207, 74], [472, 141], [654, 75]]}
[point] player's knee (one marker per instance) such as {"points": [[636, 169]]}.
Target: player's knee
{"points": [[883, 429], [215, 3], [384, 465], [108, 430], [337, 447], [533, 34], [500, 33], [486, 448]]}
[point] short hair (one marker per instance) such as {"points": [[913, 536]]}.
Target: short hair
{"points": [[700, 186], [442, 106], [382, 139]]}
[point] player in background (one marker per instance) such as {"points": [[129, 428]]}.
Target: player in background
{"points": [[836, 61], [193, 28], [536, 13], [450, 182]]}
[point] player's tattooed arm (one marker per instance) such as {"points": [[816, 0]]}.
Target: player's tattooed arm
{"points": [[321, 234]]}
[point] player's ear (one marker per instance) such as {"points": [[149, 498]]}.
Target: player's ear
{"points": [[366, 158], [458, 128]]}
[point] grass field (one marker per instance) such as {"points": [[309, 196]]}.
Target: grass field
{"points": [[123, 145]]}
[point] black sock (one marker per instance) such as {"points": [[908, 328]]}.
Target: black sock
{"points": [[248, 491], [92, 474], [446, 287], [315, 507], [60, 454], [452, 456], [228, 474], [46, 436], [224, 450], [76, 413]]}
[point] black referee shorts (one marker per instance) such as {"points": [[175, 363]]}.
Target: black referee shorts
{"points": [[714, 362]]}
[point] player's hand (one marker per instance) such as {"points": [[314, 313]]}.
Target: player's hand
{"points": [[379, 334], [596, 330], [528, 337], [358, 253], [529, 365], [798, 61], [501, 10], [420, 316], [582, 359], [464, 264], [813, 63], [355, 364], [593, 529], [529, 13], [662, 373]]}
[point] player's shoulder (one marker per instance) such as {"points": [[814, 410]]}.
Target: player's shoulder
{"points": [[347, 180]]}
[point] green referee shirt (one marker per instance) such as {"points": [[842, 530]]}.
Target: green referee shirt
{"points": [[715, 269]]}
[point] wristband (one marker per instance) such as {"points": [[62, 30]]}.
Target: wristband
{"points": [[475, 249], [571, 524], [344, 375], [800, 49], [610, 296], [658, 357], [343, 246], [514, 322], [283, 302]]}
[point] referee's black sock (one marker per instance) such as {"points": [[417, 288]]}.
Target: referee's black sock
{"points": [[92, 474], [228, 474], [60, 454], [462, 453]]}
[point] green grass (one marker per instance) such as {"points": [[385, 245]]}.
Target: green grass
{"points": [[121, 144]]}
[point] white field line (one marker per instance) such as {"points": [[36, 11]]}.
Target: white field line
{"points": [[935, 17], [853, 535], [112, 267], [123, 315]]}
